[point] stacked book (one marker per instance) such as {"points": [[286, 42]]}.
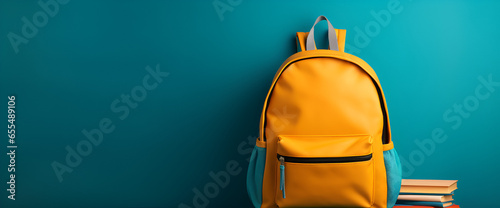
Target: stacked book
{"points": [[426, 193]]}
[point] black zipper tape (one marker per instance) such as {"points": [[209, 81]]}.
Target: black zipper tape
{"points": [[326, 159]]}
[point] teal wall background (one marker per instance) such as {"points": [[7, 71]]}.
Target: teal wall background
{"points": [[429, 57]]}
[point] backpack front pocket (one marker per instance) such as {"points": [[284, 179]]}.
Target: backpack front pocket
{"points": [[324, 171]]}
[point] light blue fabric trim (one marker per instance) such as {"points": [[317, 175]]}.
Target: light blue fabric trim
{"points": [[255, 175], [394, 176]]}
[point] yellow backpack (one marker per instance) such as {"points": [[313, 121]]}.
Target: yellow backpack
{"points": [[325, 139]]}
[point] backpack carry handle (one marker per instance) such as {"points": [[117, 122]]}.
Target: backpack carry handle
{"points": [[332, 37]]}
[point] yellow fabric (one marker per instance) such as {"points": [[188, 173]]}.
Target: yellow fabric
{"points": [[321, 146], [260, 143], [306, 185], [296, 109], [301, 41], [325, 53], [388, 146], [302, 179], [302, 37]]}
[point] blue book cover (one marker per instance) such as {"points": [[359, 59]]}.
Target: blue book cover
{"points": [[424, 203]]}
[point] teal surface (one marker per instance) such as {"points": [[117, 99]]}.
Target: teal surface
{"points": [[182, 137]]}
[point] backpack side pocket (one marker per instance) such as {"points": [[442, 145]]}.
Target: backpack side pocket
{"points": [[394, 174], [255, 174]]}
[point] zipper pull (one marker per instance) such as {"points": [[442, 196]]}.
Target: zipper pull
{"points": [[282, 175]]}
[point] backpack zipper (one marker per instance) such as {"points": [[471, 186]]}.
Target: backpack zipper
{"points": [[282, 176], [282, 159], [325, 159]]}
